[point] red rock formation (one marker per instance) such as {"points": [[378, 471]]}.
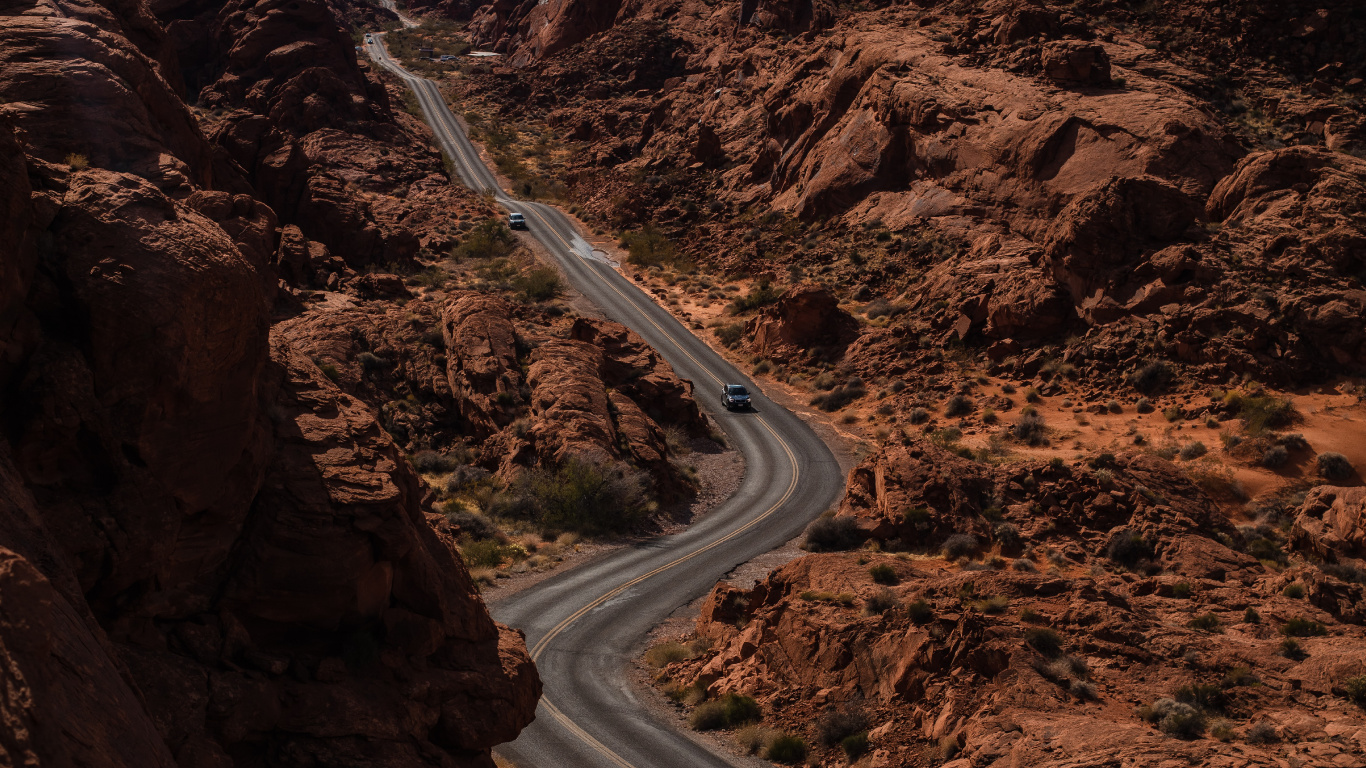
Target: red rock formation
{"points": [[947, 660], [210, 554], [805, 316]]}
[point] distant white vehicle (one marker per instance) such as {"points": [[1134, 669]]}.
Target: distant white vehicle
{"points": [[516, 221]]}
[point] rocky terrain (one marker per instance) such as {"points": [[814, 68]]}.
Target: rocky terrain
{"points": [[1031, 257], [233, 367]]}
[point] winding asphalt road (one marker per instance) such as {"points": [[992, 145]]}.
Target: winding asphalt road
{"points": [[584, 626]]}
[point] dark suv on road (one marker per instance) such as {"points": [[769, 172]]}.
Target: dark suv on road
{"points": [[735, 397]]}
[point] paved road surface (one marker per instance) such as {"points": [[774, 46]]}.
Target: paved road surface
{"points": [[583, 626]]}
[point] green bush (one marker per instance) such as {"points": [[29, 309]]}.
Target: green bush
{"points": [[540, 283], [1354, 689], [1260, 413], [883, 573], [1250, 616], [730, 334], [1206, 622], [761, 294], [1294, 590], [1150, 377], [788, 750], [1044, 640], [958, 405], [1181, 590], [1128, 548], [833, 534], [880, 602], [1207, 696], [729, 711], [582, 496], [920, 611], [854, 746], [835, 725], [649, 247], [1333, 466], [1301, 627], [1175, 718], [491, 239], [1029, 429]]}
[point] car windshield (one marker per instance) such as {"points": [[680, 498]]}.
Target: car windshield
{"points": [[735, 389], [516, 217]]}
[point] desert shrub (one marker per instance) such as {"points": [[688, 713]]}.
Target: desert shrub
{"points": [[1024, 564], [1221, 730], [1114, 407], [1029, 428], [491, 239], [788, 750], [918, 518], [1007, 534], [1150, 377], [1333, 466], [1261, 732], [1176, 718], [880, 602], [854, 745], [1302, 627], [756, 738], [825, 382], [992, 604], [989, 416], [1206, 622], [919, 611], [77, 162], [1044, 640], [1173, 413], [1238, 676], [432, 462], [730, 334], [840, 396], [1207, 696], [371, 361], [1181, 590], [583, 496], [664, 654], [1260, 412], [883, 573], [729, 711], [1275, 456], [1144, 405], [1294, 590], [330, 371], [1128, 548], [540, 283], [1082, 690], [1250, 616], [958, 405], [761, 294], [1291, 649], [1032, 395], [917, 416], [648, 247], [490, 553], [959, 545], [762, 367], [835, 725], [948, 748], [833, 534], [1193, 450], [1354, 689], [472, 526]]}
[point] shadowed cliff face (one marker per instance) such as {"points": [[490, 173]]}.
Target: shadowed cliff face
{"points": [[209, 553]]}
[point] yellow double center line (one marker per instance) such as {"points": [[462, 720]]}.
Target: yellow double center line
{"points": [[540, 647]]}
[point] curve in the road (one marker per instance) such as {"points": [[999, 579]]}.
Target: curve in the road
{"points": [[584, 625]]}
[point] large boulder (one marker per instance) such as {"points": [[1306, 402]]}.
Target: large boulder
{"points": [[1331, 523], [807, 315]]}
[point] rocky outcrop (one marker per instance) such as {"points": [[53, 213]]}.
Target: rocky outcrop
{"points": [[211, 555], [805, 316], [1093, 588], [1331, 523]]}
